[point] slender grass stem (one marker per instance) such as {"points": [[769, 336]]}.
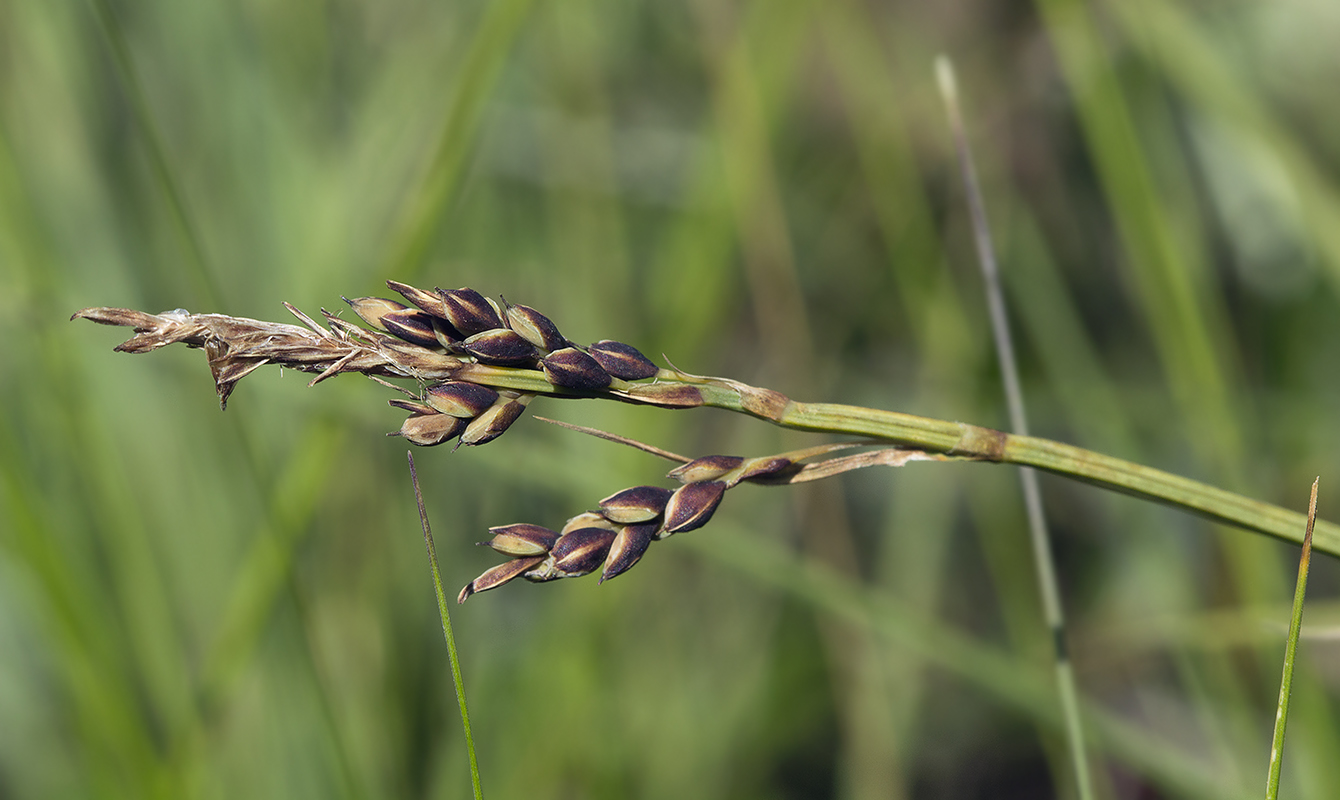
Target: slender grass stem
{"points": [[1044, 562], [446, 630], [1291, 651]]}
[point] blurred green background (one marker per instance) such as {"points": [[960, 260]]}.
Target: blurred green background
{"points": [[219, 605]]}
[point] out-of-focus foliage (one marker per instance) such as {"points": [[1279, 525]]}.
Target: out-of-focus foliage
{"points": [[217, 605]]}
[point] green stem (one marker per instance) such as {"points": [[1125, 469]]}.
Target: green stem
{"points": [[954, 438], [1291, 651]]}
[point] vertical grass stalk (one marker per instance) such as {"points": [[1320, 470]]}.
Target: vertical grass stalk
{"points": [[446, 629], [1291, 651], [1014, 398]]}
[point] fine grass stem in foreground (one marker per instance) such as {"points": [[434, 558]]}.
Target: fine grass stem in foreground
{"points": [[1043, 561], [1291, 651], [446, 629]]}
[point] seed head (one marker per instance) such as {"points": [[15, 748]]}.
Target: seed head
{"points": [[627, 549], [522, 539], [691, 506], [588, 519], [638, 504], [427, 430], [535, 327], [461, 399], [428, 301], [497, 576], [581, 551], [706, 468], [470, 311], [621, 360], [570, 368], [411, 325], [490, 425], [371, 309], [500, 346]]}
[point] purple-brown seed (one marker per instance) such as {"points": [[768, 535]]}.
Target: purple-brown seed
{"points": [[535, 327], [706, 468], [427, 430], [428, 301], [638, 504], [522, 539], [490, 425], [411, 325], [469, 311], [497, 576], [461, 398], [570, 368], [621, 360], [691, 506], [371, 309], [581, 551], [627, 549], [500, 346]]}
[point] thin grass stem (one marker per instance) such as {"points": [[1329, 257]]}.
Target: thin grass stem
{"points": [[446, 630], [1043, 560], [1291, 651]]}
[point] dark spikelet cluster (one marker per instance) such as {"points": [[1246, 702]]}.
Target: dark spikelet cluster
{"points": [[453, 342], [615, 536], [465, 324]]}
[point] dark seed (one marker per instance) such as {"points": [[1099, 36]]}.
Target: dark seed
{"points": [[706, 468], [570, 368], [582, 550], [428, 301], [691, 506], [498, 575], [469, 311], [537, 329], [638, 504], [758, 467], [621, 360], [490, 425], [371, 309], [627, 549], [411, 325], [427, 430], [522, 539], [500, 346], [460, 398]]}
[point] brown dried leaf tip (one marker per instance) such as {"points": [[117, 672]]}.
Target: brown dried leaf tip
{"points": [[438, 336]]}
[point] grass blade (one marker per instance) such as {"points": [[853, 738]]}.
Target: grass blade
{"points": [[446, 629], [1043, 560], [1291, 651]]}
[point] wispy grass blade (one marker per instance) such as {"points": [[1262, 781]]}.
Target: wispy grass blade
{"points": [[1043, 561], [1291, 651], [446, 629]]}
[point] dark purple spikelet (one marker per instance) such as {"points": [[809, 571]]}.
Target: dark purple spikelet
{"points": [[411, 325], [581, 551], [371, 309], [638, 504], [522, 539], [460, 398], [490, 425], [501, 347], [621, 360], [535, 327], [691, 506], [430, 302], [427, 430], [469, 311], [570, 368], [627, 549], [707, 468], [497, 576]]}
